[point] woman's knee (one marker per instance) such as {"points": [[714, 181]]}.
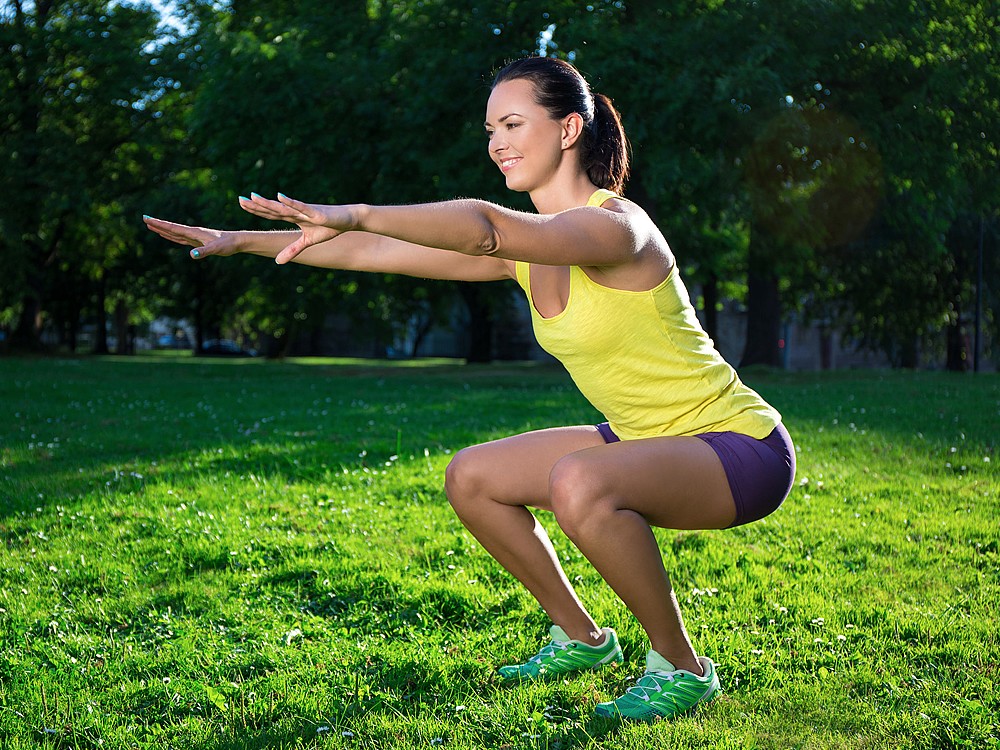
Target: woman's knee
{"points": [[577, 498], [463, 478]]}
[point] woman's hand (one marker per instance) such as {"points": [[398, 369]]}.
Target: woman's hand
{"points": [[205, 241], [318, 222]]}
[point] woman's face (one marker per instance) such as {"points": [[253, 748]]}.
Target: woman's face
{"points": [[524, 140]]}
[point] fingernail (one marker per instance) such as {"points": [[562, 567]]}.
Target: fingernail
{"points": [[146, 216], [195, 254], [282, 195], [254, 195], [244, 198]]}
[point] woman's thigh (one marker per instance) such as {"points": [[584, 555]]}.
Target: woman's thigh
{"points": [[515, 470], [672, 482]]}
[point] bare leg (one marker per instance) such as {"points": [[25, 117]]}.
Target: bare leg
{"points": [[489, 486], [605, 501], [605, 497]]}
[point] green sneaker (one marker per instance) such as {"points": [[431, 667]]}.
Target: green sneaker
{"points": [[564, 655], [663, 691]]}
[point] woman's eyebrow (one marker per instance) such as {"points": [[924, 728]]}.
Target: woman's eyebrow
{"points": [[505, 117]]}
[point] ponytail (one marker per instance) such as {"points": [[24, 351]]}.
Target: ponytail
{"points": [[606, 149], [561, 89]]}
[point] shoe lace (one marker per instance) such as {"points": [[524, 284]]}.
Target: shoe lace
{"points": [[650, 683]]}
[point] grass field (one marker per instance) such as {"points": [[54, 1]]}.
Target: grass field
{"points": [[209, 554]]}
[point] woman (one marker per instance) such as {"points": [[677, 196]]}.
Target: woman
{"points": [[686, 445]]}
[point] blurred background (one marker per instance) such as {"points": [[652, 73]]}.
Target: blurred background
{"points": [[825, 170]]}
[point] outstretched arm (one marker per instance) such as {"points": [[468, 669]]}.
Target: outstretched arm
{"points": [[580, 236], [353, 251]]}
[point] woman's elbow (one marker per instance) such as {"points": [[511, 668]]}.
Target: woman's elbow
{"points": [[489, 243], [487, 240]]}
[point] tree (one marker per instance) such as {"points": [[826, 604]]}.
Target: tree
{"points": [[76, 82], [826, 136], [821, 158], [700, 83], [924, 87], [367, 103]]}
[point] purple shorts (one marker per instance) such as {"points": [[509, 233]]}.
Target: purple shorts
{"points": [[760, 472]]}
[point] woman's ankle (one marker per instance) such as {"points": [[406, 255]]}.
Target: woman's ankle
{"points": [[685, 659], [591, 636]]}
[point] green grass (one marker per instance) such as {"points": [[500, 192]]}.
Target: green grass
{"points": [[208, 554]]}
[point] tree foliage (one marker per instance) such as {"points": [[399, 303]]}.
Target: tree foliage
{"points": [[76, 123], [832, 160]]}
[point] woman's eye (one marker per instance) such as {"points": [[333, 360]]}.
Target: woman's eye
{"points": [[489, 133]]}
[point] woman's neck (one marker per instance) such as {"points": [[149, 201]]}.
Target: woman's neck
{"points": [[562, 193]]}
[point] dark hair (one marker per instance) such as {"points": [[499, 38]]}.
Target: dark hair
{"points": [[561, 90]]}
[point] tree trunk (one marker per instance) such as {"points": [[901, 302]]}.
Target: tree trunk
{"points": [[121, 328], [199, 313], [710, 294], [480, 330], [26, 335], [315, 340], [74, 328], [958, 354], [101, 340], [763, 310], [420, 331], [825, 348], [909, 354]]}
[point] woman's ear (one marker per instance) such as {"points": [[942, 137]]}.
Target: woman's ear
{"points": [[572, 129]]}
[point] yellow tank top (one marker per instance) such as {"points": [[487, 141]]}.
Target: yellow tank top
{"points": [[643, 360]]}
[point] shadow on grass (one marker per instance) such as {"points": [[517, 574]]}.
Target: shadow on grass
{"points": [[394, 724], [111, 428], [356, 598]]}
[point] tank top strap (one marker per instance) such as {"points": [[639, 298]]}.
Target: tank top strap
{"points": [[601, 196]]}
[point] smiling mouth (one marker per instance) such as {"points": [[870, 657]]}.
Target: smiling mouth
{"points": [[506, 164]]}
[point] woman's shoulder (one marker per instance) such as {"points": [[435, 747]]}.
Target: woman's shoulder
{"points": [[653, 260], [640, 224], [619, 204]]}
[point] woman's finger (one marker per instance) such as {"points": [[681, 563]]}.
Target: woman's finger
{"points": [[167, 234], [291, 251], [166, 229], [153, 223], [256, 207], [266, 209], [266, 204], [173, 235], [298, 206], [274, 210]]}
